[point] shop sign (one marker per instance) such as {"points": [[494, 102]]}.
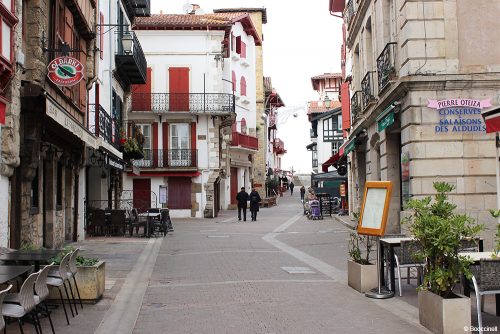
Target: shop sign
{"points": [[112, 162], [459, 115], [65, 71], [163, 194], [342, 190], [386, 121]]}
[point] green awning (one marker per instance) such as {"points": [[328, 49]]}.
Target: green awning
{"points": [[350, 146], [386, 118]]}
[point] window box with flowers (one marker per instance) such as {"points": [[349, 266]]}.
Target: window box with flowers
{"points": [[132, 146]]}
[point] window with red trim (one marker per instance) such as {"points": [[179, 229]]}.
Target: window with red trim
{"points": [[243, 50], [243, 86], [243, 126], [238, 45], [234, 81], [7, 21]]}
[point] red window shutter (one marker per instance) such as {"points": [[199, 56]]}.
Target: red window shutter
{"points": [[178, 88], [193, 136], [165, 143], [141, 94], [101, 35], [243, 86], [346, 106], [234, 81], [238, 45], [155, 144], [233, 127], [3, 106], [243, 50]]}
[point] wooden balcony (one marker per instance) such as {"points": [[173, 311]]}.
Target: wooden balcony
{"points": [[244, 141]]}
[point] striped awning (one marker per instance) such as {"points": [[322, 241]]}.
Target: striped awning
{"points": [[492, 119]]}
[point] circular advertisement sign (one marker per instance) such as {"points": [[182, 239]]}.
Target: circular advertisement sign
{"points": [[65, 71]]}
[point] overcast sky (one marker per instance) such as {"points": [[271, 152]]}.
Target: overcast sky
{"points": [[301, 40]]}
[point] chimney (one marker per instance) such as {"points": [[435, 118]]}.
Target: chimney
{"points": [[161, 12], [194, 9]]}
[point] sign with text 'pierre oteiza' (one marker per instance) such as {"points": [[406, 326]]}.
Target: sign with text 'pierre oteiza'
{"points": [[459, 115], [65, 71]]}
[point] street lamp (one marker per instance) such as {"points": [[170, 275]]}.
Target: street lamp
{"points": [[127, 42], [327, 102]]}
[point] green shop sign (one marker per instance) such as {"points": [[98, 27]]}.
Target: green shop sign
{"points": [[386, 118], [350, 146]]}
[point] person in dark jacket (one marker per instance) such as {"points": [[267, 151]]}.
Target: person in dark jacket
{"points": [[291, 188], [302, 193], [254, 203], [242, 199]]}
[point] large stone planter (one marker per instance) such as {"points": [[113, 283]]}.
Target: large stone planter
{"points": [[90, 283], [361, 277], [446, 316]]}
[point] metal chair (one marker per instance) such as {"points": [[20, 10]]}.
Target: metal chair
{"points": [[2, 296], [487, 282], [117, 223], [99, 222], [406, 259], [73, 270], [57, 279], [42, 291], [23, 303]]}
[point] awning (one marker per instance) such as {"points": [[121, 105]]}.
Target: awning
{"points": [[386, 118], [172, 174], [61, 116], [310, 146], [331, 161], [349, 145], [492, 120]]}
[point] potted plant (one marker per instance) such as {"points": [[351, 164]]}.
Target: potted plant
{"points": [[90, 277], [496, 249], [361, 273], [132, 150], [439, 231]]}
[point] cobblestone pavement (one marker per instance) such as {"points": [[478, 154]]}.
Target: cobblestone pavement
{"points": [[280, 274]]}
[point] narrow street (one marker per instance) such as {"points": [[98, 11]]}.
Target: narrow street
{"points": [[281, 274]]}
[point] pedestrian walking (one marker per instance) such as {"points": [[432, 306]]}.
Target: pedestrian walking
{"points": [[242, 198], [302, 193], [254, 204], [291, 187]]}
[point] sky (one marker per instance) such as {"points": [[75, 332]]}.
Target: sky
{"points": [[301, 40]]}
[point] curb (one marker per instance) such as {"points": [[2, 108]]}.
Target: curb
{"points": [[345, 222]]}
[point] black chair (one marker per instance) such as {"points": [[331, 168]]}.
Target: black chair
{"points": [[116, 224], [98, 222]]}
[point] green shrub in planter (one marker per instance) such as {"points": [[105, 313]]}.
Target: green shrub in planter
{"points": [[80, 260], [440, 231]]}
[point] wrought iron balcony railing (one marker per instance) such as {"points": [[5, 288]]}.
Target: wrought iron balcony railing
{"points": [[131, 67], [367, 89], [349, 12], [106, 127], [137, 8], [386, 66], [246, 141], [198, 103], [356, 106], [167, 158]]}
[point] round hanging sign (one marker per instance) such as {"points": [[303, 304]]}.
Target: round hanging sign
{"points": [[65, 71]]}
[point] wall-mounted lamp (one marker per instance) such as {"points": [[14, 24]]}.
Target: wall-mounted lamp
{"points": [[327, 101], [127, 42]]}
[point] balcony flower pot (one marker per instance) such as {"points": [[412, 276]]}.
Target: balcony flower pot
{"points": [[90, 280], [361, 277]]}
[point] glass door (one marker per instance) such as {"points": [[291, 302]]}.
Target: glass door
{"points": [[180, 154]]}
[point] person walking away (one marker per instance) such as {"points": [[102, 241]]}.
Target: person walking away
{"points": [[302, 193], [242, 198], [291, 187], [254, 204]]}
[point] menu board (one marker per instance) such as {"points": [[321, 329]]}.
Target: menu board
{"points": [[375, 207]]}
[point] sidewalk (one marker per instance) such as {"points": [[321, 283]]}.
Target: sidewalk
{"points": [[223, 276]]}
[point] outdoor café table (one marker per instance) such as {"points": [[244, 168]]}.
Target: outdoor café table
{"points": [[149, 216], [391, 243], [8, 273], [30, 256], [476, 256]]}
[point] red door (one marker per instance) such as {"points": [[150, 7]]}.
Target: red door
{"points": [[178, 88], [141, 94], [142, 194], [234, 184], [179, 193]]}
